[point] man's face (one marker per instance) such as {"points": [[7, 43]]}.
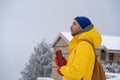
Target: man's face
{"points": [[75, 28]]}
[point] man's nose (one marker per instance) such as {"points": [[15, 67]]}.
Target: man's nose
{"points": [[71, 27]]}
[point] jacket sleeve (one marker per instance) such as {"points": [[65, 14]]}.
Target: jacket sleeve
{"points": [[83, 60]]}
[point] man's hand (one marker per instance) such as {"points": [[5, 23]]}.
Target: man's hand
{"points": [[58, 71], [59, 58], [64, 61]]}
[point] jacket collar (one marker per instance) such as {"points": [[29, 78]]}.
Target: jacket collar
{"points": [[76, 38]]}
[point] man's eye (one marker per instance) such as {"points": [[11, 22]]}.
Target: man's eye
{"points": [[74, 23]]}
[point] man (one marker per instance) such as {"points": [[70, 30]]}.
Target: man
{"points": [[80, 63]]}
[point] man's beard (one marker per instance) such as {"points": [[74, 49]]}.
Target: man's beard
{"points": [[73, 34]]}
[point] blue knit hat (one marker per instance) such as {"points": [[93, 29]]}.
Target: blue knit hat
{"points": [[83, 21]]}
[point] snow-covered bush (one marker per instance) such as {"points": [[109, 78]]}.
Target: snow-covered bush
{"points": [[40, 63], [113, 68]]}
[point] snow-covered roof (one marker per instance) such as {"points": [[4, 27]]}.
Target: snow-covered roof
{"points": [[67, 35], [64, 35], [110, 42]]}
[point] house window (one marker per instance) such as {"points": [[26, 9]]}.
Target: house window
{"points": [[102, 55], [111, 56]]}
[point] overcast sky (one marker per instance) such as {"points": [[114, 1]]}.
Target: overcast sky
{"points": [[24, 23]]}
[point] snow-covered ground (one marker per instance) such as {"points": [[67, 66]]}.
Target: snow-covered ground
{"points": [[113, 76], [110, 76]]}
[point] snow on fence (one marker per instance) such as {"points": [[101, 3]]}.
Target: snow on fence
{"points": [[44, 78]]}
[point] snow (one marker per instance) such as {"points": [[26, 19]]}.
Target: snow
{"points": [[110, 42], [113, 76], [67, 35], [110, 76], [44, 78]]}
